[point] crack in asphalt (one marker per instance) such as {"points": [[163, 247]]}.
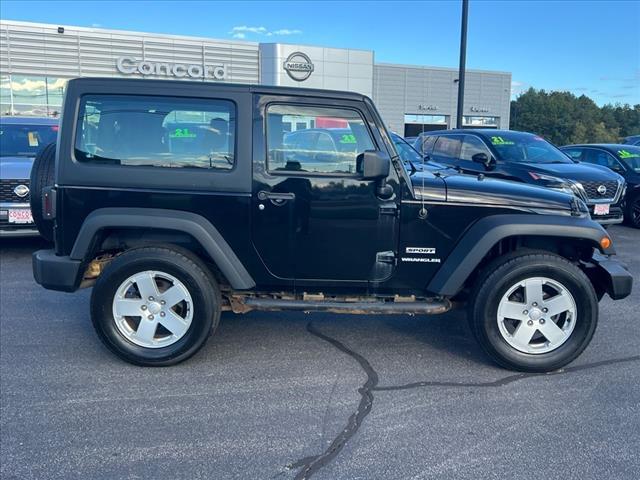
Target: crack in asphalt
{"points": [[310, 465], [507, 380]]}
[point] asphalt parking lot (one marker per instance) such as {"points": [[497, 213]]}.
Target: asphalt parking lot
{"points": [[279, 396]]}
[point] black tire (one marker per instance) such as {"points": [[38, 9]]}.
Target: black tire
{"points": [[42, 175], [632, 215], [504, 273], [182, 265]]}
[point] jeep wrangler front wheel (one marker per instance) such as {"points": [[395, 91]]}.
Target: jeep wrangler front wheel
{"points": [[155, 306], [533, 312]]}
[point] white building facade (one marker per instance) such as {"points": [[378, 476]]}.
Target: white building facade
{"points": [[36, 60]]}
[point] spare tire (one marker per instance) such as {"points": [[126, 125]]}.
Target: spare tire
{"points": [[42, 175]]}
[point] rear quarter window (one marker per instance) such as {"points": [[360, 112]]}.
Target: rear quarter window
{"points": [[165, 132]]}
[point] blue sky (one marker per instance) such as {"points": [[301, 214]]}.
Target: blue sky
{"points": [[590, 47]]}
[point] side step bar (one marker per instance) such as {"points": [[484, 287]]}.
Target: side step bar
{"points": [[274, 304]]}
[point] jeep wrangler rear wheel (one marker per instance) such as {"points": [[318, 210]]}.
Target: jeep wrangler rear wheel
{"points": [[533, 312], [155, 306]]}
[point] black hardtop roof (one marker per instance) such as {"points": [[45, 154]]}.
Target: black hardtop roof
{"points": [[237, 87]]}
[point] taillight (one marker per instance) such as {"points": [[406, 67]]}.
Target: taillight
{"points": [[49, 203]]}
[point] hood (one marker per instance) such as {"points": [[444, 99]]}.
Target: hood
{"points": [[15, 167], [573, 171], [488, 191]]}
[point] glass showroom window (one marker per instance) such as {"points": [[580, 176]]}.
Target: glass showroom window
{"points": [[475, 121], [5, 95], [425, 119], [31, 95], [55, 93]]}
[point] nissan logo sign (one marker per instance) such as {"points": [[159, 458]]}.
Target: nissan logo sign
{"points": [[21, 191], [602, 190], [298, 66], [131, 66]]}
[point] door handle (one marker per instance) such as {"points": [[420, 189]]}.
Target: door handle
{"points": [[277, 196]]}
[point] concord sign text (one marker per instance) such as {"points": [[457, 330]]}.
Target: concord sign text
{"points": [[132, 66]]}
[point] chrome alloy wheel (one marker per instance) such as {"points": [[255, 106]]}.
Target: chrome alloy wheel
{"points": [[152, 309], [537, 315]]}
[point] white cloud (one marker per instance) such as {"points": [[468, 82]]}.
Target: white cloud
{"points": [[241, 31], [286, 31]]}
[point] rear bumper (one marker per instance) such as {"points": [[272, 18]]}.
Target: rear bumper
{"points": [[612, 276], [54, 272]]}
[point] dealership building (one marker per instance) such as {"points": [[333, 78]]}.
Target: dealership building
{"points": [[37, 59]]}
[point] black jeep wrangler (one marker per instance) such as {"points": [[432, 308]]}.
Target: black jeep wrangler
{"points": [[178, 200]]}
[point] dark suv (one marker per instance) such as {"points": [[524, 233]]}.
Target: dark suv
{"points": [[176, 201], [528, 158], [622, 159]]}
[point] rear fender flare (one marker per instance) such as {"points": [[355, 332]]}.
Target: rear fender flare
{"points": [[195, 225]]}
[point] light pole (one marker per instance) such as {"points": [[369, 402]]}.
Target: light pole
{"points": [[463, 61]]}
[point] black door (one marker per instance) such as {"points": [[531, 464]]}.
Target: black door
{"points": [[310, 205]]}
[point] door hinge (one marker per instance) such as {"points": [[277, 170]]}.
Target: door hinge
{"points": [[389, 210]]}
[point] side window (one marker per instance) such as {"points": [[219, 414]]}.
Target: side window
{"points": [[472, 145], [326, 140], [448, 146], [575, 153], [599, 157], [426, 143], [156, 131]]}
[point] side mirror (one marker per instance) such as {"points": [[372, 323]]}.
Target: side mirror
{"points": [[374, 165], [484, 159]]}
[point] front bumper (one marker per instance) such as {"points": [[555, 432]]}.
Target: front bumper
{"points": [[15, 229], [56, 273], [615, 216], [611, 276]]}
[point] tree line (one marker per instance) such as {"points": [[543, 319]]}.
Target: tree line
{"points": [[563, 118]]}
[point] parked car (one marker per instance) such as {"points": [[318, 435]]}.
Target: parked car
{"points": [[632, 140], [21, 138], [622, 159], [171, 227], [411, 140], [411, 158], [528, 158]]}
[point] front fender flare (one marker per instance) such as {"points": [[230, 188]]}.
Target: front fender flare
{"points": [[487, 232], [195, 225]]}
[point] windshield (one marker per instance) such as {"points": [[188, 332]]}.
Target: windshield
{"points": [[25, 140], [407, 152], [630, 155], [525, 148]]}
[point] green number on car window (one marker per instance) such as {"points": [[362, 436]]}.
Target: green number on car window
{"points": [[348, 138], [501, 141], [182, 133], [625, 154]]}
